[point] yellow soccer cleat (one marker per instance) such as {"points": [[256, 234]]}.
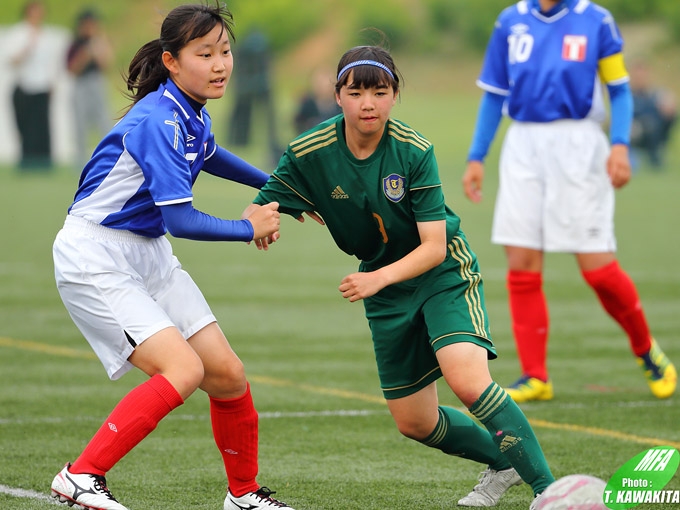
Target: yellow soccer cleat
{"points": [[659, 372], [530, 388]]}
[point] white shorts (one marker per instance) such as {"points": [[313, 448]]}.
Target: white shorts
{"points": [[120, 288], [554, 193]]}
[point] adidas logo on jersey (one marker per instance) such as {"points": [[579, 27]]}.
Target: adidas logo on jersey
{"points": [[508, 442], [338, 193]]}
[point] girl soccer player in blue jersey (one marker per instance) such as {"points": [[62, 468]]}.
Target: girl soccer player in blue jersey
{"points": [[375, 182], [120, 282], [545, 62]]}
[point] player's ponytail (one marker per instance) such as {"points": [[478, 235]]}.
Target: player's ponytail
{"points": [[146, 71]]}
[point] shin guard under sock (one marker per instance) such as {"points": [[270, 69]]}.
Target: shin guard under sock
{"points": [[458, 434], [513, 435], [235, 427], [620, 299], [529, 313], [135, 416]]}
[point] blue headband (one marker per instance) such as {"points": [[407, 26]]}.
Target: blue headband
{"points": [[365, 63]]}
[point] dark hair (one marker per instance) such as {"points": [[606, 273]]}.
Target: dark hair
{"points": [[182, 25], [368, 76], [87, 15]]}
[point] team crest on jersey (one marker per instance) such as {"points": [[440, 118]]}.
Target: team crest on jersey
{"points": [[393, 187], [574, 48]]}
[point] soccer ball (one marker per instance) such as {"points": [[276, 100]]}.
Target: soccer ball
{"points": [[574, 492]]}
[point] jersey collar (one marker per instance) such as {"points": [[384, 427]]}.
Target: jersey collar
{"points": [[563, 5], [186, 103]]}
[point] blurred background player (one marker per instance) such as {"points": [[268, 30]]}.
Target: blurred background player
{"points": [[253, 93], [375, 182], [36, 59], [654, 116], [89, 56], [318, 103], [558, 172]]}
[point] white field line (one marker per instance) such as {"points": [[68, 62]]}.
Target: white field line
{"points": [[339, 412], [206, 416], [23, 493]]}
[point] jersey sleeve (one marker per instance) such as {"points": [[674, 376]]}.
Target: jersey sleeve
{"points": [[157, 144], [286, 187], [427, 197], [227, 165], [494, 74], [611, 67]]}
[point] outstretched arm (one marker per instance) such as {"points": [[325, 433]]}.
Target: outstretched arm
{"points": [[183, 221], [262, 243], [223, 163]]}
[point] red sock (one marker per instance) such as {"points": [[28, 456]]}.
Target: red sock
{"points": [[529, 313], [620, 299], [135, 416], [234, 423]]}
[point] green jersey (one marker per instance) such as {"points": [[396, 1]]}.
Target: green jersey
{"points": [[370, 205]]}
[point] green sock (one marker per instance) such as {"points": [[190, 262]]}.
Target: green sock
{"points": [[458, 434], [511, 431]]}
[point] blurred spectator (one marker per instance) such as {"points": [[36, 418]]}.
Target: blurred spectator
{"points": [[34, 58], [252, 87], [654, 115], [319, 103], [89, 55]]}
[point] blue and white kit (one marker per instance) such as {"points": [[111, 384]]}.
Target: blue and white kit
{"points": [[546, 70], [114, 267], [541, 67], [151, 159]]}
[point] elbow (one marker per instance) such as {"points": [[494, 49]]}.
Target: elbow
{"points": [[176, 232], [177, 229], [441, 255], [437, 255]]}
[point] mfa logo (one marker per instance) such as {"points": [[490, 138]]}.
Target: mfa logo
{"points": [[642, 480]]}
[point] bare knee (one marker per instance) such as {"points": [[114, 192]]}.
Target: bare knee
{"points": [[225, 380], [166, 353], [187, 376], [224, 372], [414, 429]]}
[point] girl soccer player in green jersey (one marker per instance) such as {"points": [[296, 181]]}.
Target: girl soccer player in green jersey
{"points": [[375, 183]]}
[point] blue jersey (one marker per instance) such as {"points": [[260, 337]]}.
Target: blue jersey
{"points": [[151, 158], [550, 66]]}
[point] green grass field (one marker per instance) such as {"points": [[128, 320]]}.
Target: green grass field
{"points": [[326, 439]]}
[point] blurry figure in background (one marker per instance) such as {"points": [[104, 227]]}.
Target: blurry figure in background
{"points": [[88, 58], [252, 86], [318, 103], [654, 115], [33, 57]]}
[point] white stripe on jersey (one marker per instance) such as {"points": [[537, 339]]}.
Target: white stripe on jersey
{"points": [[121, 183]]}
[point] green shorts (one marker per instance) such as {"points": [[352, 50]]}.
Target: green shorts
{"points": [[410, 322]]}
